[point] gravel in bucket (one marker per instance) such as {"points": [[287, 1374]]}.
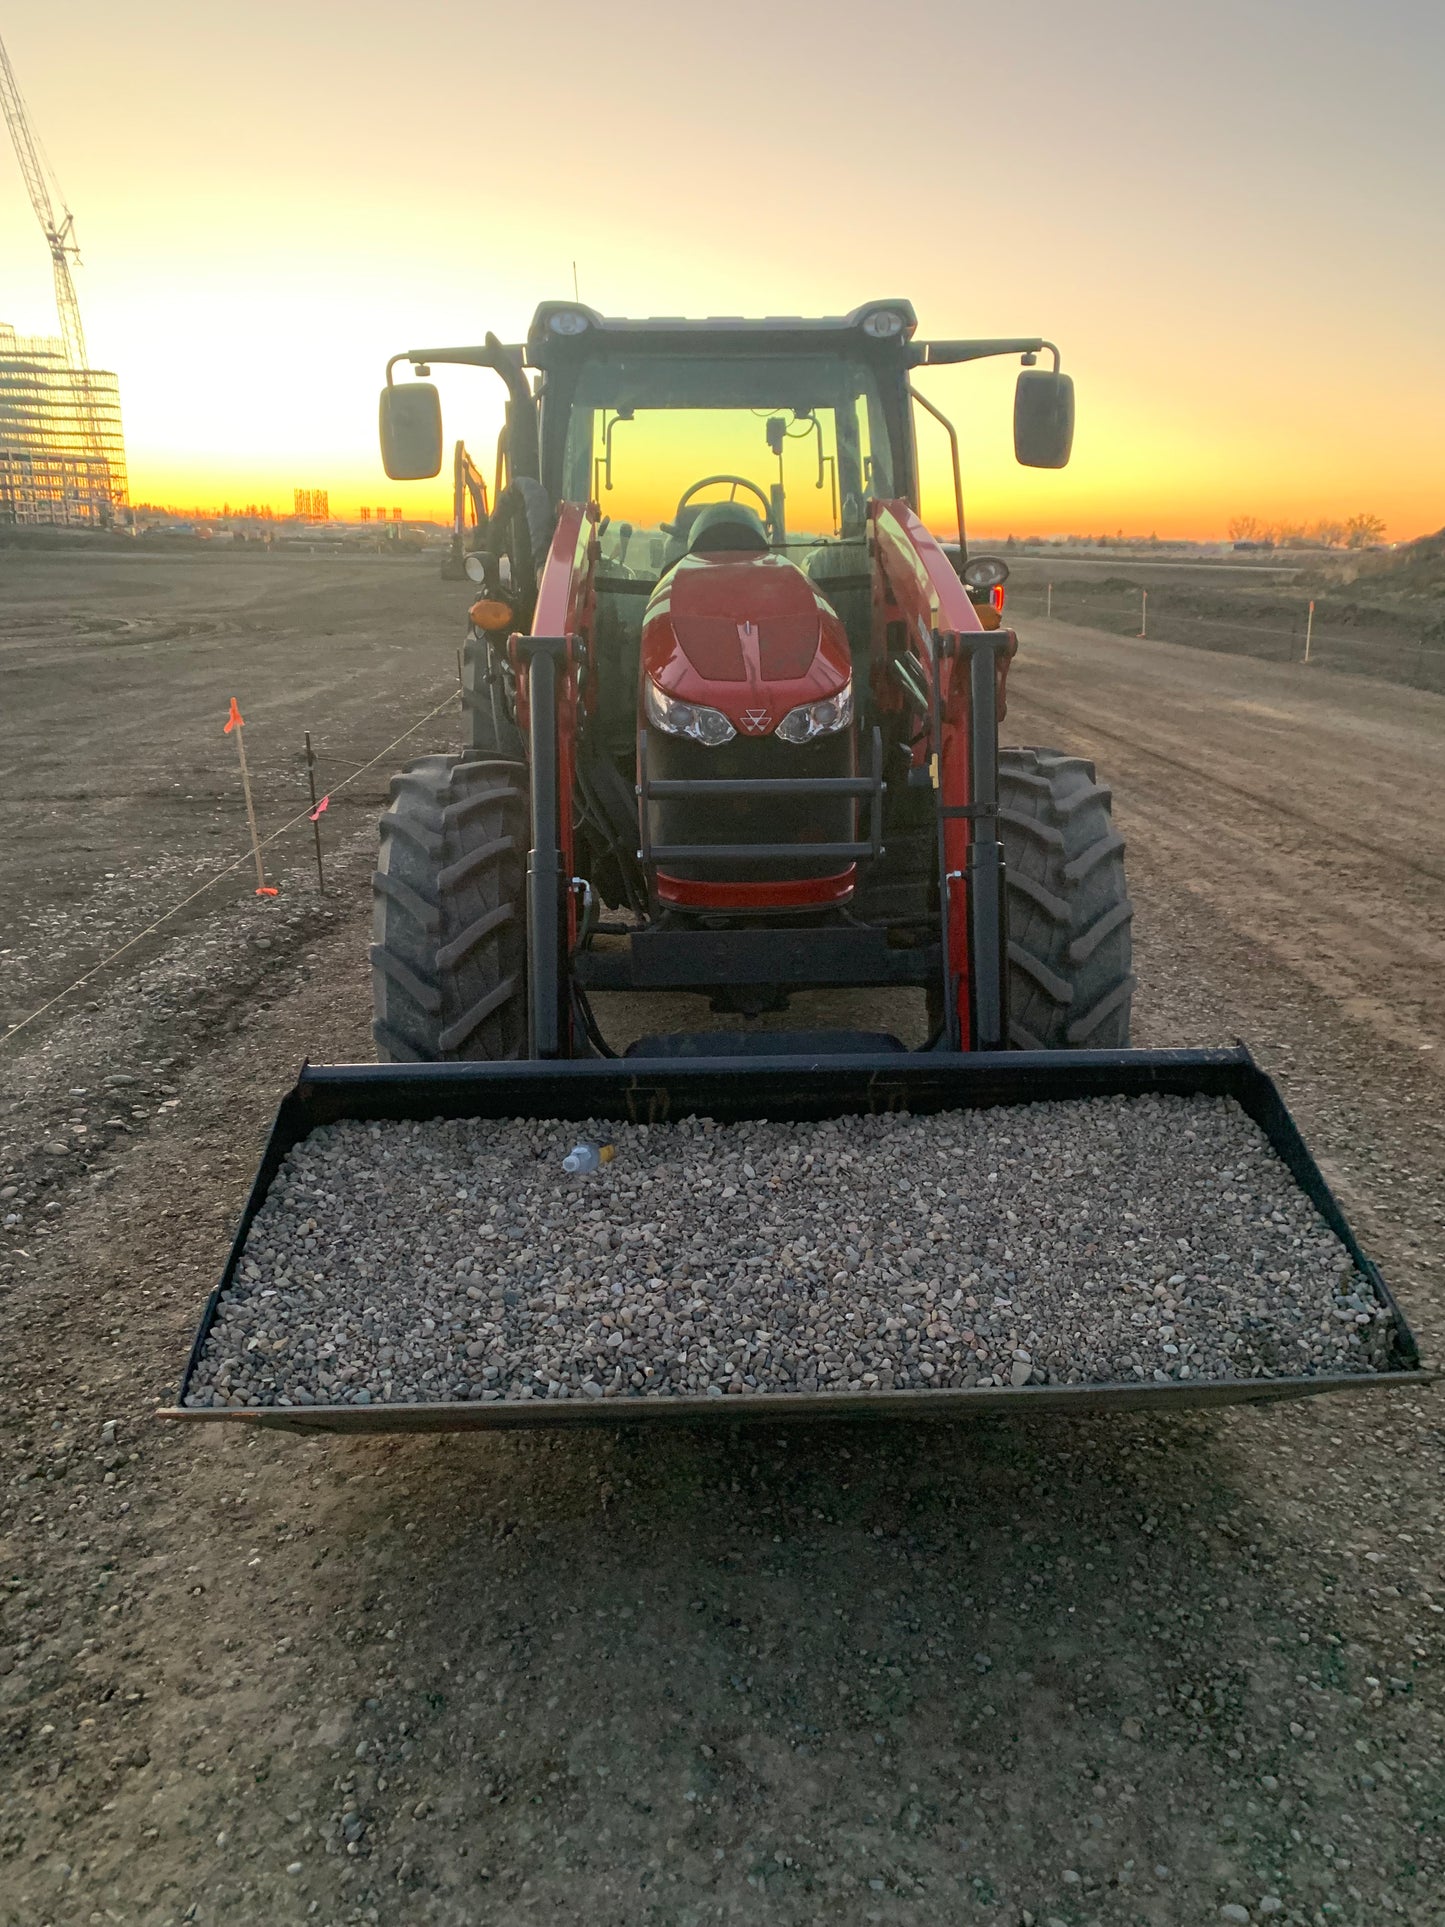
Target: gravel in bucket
{"points": [[1134, 1240]]}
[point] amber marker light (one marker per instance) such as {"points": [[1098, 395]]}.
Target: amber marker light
{"points": [[491, 615]]}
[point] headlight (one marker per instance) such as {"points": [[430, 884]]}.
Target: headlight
{"points": [[708, 726], [985, 572], [825, 718], [567, 321]]}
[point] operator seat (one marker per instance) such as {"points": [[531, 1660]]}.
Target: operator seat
{"points": [[730, 528], [715, 528]]}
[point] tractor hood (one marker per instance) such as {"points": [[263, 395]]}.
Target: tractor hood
{"points": [[748, 635]]}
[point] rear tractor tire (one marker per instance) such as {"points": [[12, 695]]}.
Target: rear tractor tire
{"points": [[1070, 952], [449, 950]]}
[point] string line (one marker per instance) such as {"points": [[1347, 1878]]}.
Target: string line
{"points": [[210, 883]]}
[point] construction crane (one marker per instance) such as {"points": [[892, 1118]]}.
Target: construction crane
{"points": [[59, 234], [93, 455]]}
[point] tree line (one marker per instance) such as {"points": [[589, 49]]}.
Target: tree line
{"points": [[1359, 532]]}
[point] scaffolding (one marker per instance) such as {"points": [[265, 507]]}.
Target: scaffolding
{"points": [[62, 454]]}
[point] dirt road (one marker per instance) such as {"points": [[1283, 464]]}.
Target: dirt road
{"points": [[1125, 1672], [1302, 810]]}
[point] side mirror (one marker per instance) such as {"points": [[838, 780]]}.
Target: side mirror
{"points": [[1043, 418], [411, 431]]}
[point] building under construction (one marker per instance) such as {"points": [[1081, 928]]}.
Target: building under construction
{"points": [[62, 458]]}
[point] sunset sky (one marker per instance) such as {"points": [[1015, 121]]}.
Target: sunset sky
{"points": [[1231, 217]]}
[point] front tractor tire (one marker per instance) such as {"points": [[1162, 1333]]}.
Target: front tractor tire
{"points": [[1070, 952], [449, 950], [487, 729]]}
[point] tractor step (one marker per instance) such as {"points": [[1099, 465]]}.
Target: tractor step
{"points": [[822, 1045], [777, 1084], [847, 954]]}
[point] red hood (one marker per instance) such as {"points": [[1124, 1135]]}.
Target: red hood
{"points": [[743, 634]]}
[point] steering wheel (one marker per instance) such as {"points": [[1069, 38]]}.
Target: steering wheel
{"points": [[711, 481]]}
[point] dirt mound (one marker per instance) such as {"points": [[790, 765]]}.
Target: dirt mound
{"points": [[1420, 566], [1414, 569]]}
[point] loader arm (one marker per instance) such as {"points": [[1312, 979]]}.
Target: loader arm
{"points": [[553, 667], [960, 668]]}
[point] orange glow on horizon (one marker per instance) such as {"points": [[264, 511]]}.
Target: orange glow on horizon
{"points": [[1248, 309], [1181, 472]]}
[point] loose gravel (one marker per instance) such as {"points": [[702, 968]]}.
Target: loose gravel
{"points": [[1142, 1240]]}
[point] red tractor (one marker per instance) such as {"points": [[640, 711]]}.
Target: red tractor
{"points": [[732, 728], [732, 710]]}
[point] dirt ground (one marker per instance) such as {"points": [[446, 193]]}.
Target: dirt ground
{"points": [[1364, 627], [1129, 1672], [118, 790]]}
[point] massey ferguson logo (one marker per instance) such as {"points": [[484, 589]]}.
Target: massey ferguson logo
{"points": [[755, 721]]}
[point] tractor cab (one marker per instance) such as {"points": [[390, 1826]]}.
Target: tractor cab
{"points": [[721, 438], [769, 697]]}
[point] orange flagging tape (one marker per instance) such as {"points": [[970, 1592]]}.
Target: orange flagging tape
{"points": [[314, 816], [266, 890], [235, 720], [235, 864]]}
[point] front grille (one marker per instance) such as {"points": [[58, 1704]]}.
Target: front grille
{"points": [[772, 819]]}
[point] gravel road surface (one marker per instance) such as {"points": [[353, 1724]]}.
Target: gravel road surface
{"points": [[1130, 1671], [396, 1263]]}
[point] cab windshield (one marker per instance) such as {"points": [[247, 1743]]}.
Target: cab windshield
{"points": [[800, 439]]}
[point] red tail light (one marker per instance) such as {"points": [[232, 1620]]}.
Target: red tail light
{"points": [[995, 596]]}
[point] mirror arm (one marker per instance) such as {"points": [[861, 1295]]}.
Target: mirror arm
{"points": [[506, 362], [939, 416], [936, 354], [491, 356]]}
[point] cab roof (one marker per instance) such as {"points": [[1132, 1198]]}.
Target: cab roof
{"points": [[561, 330]]}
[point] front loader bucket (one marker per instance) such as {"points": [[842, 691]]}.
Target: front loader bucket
{"points": [[652, 1091]]}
